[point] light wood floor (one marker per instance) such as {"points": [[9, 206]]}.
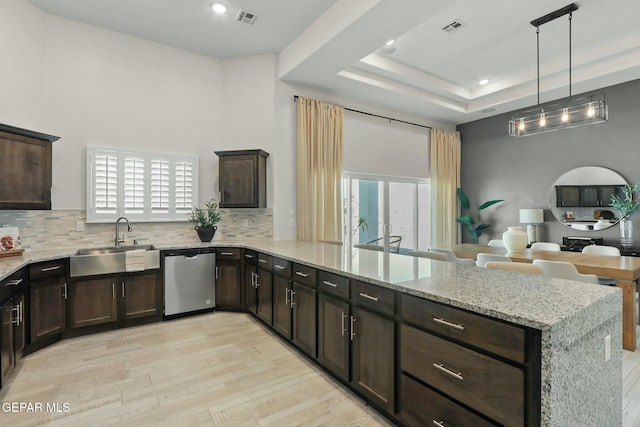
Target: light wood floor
{"points": [[213, 369]]}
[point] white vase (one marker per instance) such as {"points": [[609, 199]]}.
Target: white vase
{"points": [[515, 239]]}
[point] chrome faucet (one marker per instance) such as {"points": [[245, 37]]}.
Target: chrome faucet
{"points": [[118, 240]]}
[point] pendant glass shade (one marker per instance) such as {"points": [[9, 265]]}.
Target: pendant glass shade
{"points": [[536, 121]]}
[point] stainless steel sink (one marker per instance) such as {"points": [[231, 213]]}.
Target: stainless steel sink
{"points": [[113, 249], [108, 260]]}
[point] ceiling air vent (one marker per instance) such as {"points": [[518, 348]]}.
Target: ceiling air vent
{"points": [[453, 26], [246, 17]]}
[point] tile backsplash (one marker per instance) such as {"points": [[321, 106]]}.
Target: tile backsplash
{"points": [[57, 229]]}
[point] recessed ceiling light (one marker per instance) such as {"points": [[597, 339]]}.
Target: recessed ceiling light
{"points": [[219, 8], [390, 42], [483, 82]]}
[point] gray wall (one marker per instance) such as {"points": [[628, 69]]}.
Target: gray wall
{"points": [[522, 170]]}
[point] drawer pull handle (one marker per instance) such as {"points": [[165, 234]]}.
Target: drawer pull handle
{"points": [[264, 261], [333, 285], [248, 256], [55, 267], [438, 423], [441, 367], [279, 267], [344, 316], [457, 326], [362, 294], [226, 253], [14, 282], [299, 273]]}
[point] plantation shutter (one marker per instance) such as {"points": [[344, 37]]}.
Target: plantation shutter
{"points": [[105, 186], [134, 185], [184, 187], [160, 187]]}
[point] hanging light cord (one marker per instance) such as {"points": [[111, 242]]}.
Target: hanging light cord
{"points": [[570, 18], [538, 59]]}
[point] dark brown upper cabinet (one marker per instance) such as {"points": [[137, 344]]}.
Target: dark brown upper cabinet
{"points": [[243, 178], [25, 168]]}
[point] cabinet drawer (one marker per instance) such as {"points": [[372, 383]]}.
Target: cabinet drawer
{"points": [[305, 275], [265, 261], [282, 267], [47, 269], [422, 406], [488, 334], [334, 284], [250, 257], [491, 387], [375, 297], [10, 285], [228, 253]]}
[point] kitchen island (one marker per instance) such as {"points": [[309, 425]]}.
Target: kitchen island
{"points": [[574, 382]]}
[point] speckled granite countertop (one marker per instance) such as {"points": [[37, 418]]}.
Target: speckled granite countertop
{"points": [[533, 301]]}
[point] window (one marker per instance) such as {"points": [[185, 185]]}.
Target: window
{"points": [[388, 211], [142, 186]]}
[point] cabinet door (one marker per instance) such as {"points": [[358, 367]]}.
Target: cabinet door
{"points": [[333, 335], [304, 318], [373, 356], [47, 308], [25, 172], [567, 195], [265, 296], [239, 181], [607, 191], [20, 329], [141, 296], [7, 355], [93, 302], [228, 284], [282, 305], [251, 293], [589, 196]]}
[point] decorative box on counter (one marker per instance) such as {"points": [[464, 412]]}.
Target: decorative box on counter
{"points": [[10, 241]]}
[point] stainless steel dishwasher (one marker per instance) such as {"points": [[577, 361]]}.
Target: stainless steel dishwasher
{"points": [[189, 280]]}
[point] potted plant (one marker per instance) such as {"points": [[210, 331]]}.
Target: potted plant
{"points": [[465, 218], [627, 206], [206, 220]]}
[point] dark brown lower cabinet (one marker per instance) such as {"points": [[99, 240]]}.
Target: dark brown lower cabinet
{"points": [[333, 334], [304, 318], [7, 353], [373, 367], [228, 284], [47, 307], [282, 312], [421, 406], [250, 290], [265, 295], [93, 302], [141, 296]]}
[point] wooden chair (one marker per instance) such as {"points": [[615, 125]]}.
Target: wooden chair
{"points": [[545, 246], [431, 255], [518, 267], [482, 259], [564, 270]]}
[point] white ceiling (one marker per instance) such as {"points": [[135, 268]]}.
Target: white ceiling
{"points": [[334, 45]]}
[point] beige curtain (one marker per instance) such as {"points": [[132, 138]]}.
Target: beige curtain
{"points": [[319, 196], [445, 178]]}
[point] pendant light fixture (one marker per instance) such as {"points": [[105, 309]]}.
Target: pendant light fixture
{"points": [[565, 114]]}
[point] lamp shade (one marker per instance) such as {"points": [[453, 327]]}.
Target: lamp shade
{"points": [[531, 216]]}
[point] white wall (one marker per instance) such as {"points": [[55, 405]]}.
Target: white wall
{"points": [[94, 86]]}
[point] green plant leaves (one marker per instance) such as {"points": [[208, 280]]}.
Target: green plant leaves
{"points": [[465, 219], [489, 203], [464, 200]]}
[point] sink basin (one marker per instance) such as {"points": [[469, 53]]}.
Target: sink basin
{"points": [[113, 249], [109, 260]]}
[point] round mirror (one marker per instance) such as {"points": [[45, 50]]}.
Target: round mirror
{"points": [[580, 199]]}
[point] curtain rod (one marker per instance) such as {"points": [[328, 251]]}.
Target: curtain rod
{"points": [[295, 98]]}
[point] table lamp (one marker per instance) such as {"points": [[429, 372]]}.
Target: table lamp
{"points": [[531, 217]]}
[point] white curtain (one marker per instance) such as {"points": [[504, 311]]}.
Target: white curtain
{"points": [[445, 178], [319, 170]]}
